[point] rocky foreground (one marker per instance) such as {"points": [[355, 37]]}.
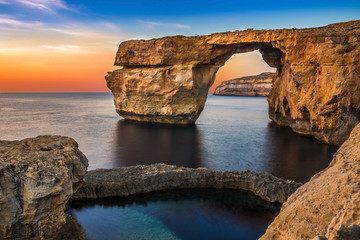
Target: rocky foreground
{"points": [[125, 181], [37, 178], [328, 206], [252, 86], [315, 88]]}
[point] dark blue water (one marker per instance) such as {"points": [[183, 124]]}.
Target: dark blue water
{"points": [[233, 133], [183, 214]]}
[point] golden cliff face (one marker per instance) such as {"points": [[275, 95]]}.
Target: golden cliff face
{"points": [[315, 89]]}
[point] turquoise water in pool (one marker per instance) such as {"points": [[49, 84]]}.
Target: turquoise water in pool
{"points": [[182, 214]]}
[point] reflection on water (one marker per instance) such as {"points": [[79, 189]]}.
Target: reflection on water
{"points": [[181, 214], [291, 156], [143, 144], [232, 133]]}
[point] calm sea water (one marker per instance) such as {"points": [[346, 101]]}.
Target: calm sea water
{"points": [[233, 133]]}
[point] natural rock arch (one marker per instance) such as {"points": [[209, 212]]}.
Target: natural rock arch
{"points": [[166, 80]]}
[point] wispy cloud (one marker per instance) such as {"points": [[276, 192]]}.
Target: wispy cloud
{"points": [[34, 36], [4, 2], [6, 20], [45, 5], [65, 48], [153, 25]]}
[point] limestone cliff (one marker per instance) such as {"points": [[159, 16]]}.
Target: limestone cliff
{"points": [[259, 85], [315, 89], [328, 206], [37, 178]]}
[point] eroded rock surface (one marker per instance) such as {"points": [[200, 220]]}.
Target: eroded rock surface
{"points": [[253, 86], [37, 178], [328, 206], [124, 181], [315, 89]]}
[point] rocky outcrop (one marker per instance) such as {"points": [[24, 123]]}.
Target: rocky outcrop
{"points": [[121, 182], [253, 86], [328, 206], [315, 89], [37, 178]]}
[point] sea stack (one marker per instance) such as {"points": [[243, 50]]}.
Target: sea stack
{"points": [[253, 86]]}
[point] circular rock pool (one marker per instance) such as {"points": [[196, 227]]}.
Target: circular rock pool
{"points": [[178, 214]]}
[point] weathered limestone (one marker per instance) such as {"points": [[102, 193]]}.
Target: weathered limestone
{"points": [[37, 178], [315, 89], [253, 86], [121, 182], [328, 206]]}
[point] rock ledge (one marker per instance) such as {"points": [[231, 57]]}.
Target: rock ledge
{"points": [[121, 182]]}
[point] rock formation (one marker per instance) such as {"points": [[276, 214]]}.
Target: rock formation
{"points": [[328, 206], [37, 178], [259, 85], [315, 89], [124, 181]]}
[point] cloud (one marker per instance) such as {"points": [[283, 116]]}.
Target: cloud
{"points": [[4, 2], [153, 25], [45, 5], [21, 36], [69, 29], [65, 48], [8, 21]]}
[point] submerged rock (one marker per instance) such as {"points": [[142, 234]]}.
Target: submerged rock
{"points": [[328, 206], [259, 85], [315, 88], [125, 181], [37, 178]]}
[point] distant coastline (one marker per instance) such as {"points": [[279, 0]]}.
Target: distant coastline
{"points": [[250, 86]]}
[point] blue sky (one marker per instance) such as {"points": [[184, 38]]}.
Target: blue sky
{"points": [[37, 35], [146, 19]]}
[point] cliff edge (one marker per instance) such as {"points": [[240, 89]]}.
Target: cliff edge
{"points": [[328, 206], [37, 178]]}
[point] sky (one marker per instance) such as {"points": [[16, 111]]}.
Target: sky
{"points": [[70, 45]]}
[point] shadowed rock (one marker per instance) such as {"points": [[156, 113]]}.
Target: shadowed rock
{"points": [[37, 178], [121, 182], [315, 88]]}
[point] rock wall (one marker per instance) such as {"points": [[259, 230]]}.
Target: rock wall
{"points": [[315, 89], [328, 206], [253, 86], [124, 181], [37, 178]]}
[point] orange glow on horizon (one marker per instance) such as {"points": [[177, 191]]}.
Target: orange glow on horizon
{"points": [[85, 72], [55, 72]]}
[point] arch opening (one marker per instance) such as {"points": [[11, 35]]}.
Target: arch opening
{"points": [[244, 64]]}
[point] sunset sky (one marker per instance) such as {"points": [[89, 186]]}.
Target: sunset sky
{"points": [[69, 45]]}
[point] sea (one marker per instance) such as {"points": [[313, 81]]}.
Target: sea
{"points": [[232, 133]]}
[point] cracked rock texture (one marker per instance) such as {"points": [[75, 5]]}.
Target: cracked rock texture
{"points": [[37, 178], [121, 182], [328, 206], [254, 86], [315, 88]]}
